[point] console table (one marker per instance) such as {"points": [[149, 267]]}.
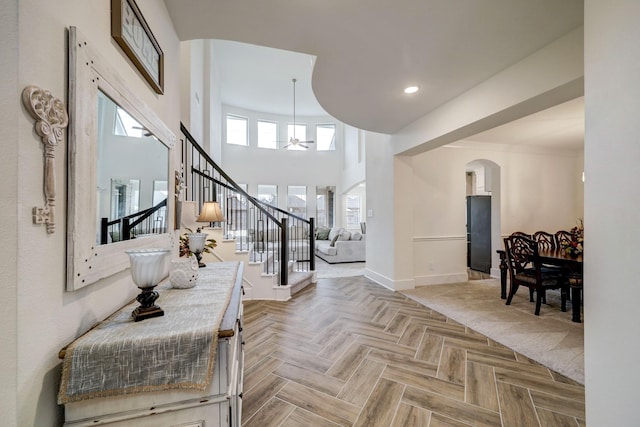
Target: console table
{"points": [[145, 380]]}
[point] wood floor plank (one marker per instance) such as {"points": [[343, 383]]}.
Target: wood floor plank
{"points": [[490, 360], [453, 365], [428, 383], [412, 335], [258, 371], [311, 379], [398, 324], [559, 404], [454, 409], [255, 397], [272, 414], [481, 386], [344, 367], [358, 389], [330, 408], [300, 418], [516, 406], [552, 419], [430, 348], [380, 408], [336, 347], [408, 415], [542, 384], [302, 359], [338, 353]]}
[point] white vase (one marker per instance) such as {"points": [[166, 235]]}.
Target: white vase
{"points": [[184, 272], [147, 266]]}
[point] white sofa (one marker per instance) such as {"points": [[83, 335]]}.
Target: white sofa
{"points": [[341, 246]]}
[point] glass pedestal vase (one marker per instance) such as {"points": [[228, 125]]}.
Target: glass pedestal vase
{"points": [[184, 272], [147, 270]]}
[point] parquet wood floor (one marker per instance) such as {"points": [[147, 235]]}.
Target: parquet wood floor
{"points": [[348, 352]]}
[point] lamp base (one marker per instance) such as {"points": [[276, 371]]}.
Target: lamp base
{"points": [[199, 258], [141, 313], [147, 309]]}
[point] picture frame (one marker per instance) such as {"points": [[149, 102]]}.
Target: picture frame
{"points": [[132, 33]]}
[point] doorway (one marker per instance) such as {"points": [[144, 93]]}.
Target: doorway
{"points": [[482, 178]]}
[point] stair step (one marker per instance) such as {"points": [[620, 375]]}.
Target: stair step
{"points": [[299, 280]]}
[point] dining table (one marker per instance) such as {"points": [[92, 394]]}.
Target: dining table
{"points": [[570, 264]]}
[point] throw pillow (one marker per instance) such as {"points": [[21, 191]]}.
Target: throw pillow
{"points": [[333, 241], [344, 235], [334, 232], [356, 236], [322, 233]]}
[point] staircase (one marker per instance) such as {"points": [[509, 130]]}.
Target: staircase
{"points": [[275, 246]]}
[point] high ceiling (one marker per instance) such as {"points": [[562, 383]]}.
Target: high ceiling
{"points": [[356, 56]]}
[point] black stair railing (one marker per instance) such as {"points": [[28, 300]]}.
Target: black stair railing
{"points": [[152, 220], [254, 227]]}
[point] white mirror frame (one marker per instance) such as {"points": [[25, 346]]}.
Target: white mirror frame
{"points": [[88, 262]]}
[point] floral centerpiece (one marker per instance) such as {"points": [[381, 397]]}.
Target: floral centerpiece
{"points": [[575, 245]]}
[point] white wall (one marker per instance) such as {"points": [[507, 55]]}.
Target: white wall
{"points": [[612, 200], [34, 293], [10, 214], [537, 192], [548, 77]]}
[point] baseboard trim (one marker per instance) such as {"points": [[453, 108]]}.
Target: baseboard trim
{"points": [[441, 279], [394, 285]]}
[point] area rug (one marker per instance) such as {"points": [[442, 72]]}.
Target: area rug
{"points": [[324, 270], [551, 339]]}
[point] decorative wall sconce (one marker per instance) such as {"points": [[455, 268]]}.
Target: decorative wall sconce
{"points": [[50, 121]]}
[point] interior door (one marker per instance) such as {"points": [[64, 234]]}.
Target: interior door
{"points": [[479, 233]]}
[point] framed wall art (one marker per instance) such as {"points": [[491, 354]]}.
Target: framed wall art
{"points": [[130, 30]]}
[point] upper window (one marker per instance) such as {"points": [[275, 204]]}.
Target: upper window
{"points": [[298, 132], [267, 134], [237, 130], [128, 126], [326, 137]]}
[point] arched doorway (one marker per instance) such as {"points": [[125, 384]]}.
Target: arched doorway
{"points": [[483, 216]]}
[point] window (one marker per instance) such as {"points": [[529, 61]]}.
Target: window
{"points": [[237, 130], [268, 194], [297, 200], [298, 132], [267, 134], [126, 125], [353, 211], [326, 135]]}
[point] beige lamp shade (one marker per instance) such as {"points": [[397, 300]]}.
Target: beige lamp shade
{"points": [[211, 212]]}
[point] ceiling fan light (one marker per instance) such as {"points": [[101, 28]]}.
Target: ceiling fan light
{"points": [[411, 89]]}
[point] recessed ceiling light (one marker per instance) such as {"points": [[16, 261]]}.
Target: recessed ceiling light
{"points": [[411, 89]]}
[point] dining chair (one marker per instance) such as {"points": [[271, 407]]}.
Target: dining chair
{"points": [[545, 240], [562, 236], [525, 269], [522, 234]]}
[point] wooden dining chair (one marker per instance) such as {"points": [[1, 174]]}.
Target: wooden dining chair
{"points": [[521, 234], [545, 240], [525, 269], [562, 236]]}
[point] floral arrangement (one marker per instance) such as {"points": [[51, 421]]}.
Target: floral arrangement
{"points": [[575, 245], [184, 244]]}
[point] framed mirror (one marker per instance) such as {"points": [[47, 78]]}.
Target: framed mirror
{"points": [[118, 169]]}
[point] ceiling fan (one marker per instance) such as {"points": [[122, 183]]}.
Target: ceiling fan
{"points": [[293, 141]]}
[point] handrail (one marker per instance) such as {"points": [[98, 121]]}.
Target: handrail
{"points": [[254, 225], [126, 225]]}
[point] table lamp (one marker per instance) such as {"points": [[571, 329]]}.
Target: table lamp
{"points": [[210, 213]]}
